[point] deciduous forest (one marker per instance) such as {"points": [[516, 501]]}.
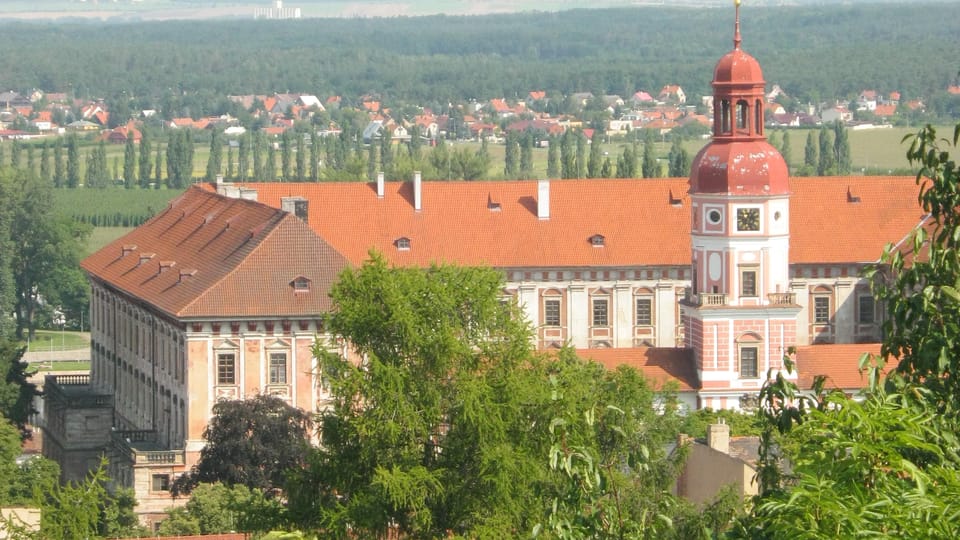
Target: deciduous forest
{"points": [[814, 52]]}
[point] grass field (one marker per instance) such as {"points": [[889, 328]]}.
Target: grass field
{"points": [[58, 365], [54, 340]]}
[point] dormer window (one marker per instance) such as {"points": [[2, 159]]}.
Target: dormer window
{"points": [[597, 240], [301, 285], [402, 243]]}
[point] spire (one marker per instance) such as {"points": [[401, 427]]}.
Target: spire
{"points": [[736, 26]]}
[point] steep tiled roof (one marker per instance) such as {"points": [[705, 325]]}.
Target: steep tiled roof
{"points": [[849, 219], [496, 224], [840, 363], [659, 365], [644, 222], [207, 255]]}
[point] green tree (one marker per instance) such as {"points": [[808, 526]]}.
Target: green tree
{"points": [[827, 164], [129, 164], [553, 157], [16, 392], [59, 173], [679, 160], [16, 154], [46, 173], [250, 442], [594, 162], [841, 148], [386, 152], [785, 148], [511, 153], [73, 161], [98, 175], [314, 157], [606, 171], [215, 160], [45, 248], [145, 167], [158, 176], [286, 156], [243, 157], [526, 155], [445, 427], [300, 159], [581, 165], [650, 168], [180, 158], [568, 160], [231, 173], [886, 466]]}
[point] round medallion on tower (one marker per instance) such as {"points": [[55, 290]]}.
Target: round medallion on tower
{"points": [[739, 160]]}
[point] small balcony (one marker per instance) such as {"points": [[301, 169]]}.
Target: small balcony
{"points": [[711, 299], [782, 299], [140, 448]]}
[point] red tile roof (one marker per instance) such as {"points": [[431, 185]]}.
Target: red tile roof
{"points": [[840, 363], [212, 256], [659, 365], [457, 223]]}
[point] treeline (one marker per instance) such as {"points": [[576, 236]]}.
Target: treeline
{"points": [[187, 67]]}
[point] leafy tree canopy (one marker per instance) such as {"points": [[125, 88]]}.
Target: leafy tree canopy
{"points": [[250, 442]]}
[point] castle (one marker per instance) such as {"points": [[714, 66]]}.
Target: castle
{"points": [[702, 282]]}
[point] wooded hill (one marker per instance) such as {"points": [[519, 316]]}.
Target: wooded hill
{"points": [[814, 52]]}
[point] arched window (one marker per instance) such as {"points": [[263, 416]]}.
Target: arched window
{"points": [[725, 117], [742, 114]]}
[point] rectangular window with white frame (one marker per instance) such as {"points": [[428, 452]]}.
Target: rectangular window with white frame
{"points": [[551, 312], [600, 312], [644, 311], [748, 362], [278, 368], [821, 310], [226, 368]]}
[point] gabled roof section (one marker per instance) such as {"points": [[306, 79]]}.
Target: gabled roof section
{"points": [[215, 256], [839, 363], [658, 364]]}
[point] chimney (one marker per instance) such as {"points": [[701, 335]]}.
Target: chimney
{"points": [[417, 191], [543, 199], [380, 185], [219, 180], [248, 194], [297, 206], [718, 437]]}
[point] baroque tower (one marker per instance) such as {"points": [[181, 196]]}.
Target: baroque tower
{"points": [[739, 317]]}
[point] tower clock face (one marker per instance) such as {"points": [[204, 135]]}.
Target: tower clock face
{"points": [[748, 219]]}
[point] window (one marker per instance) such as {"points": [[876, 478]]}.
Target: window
{"points": [[748, 362], [867, 307], [278, 368], [821, 309], [644, 311], [301, 285], [748, 282], [597, 240], [403, 243], [600, 311], [551, 312], [160, 482], [226, 368]]}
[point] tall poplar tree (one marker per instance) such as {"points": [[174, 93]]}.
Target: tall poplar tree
{"points": [[129, 164], [59, 172], [45, 171], [73, 161], [841, 148], [553, 157], [300, 159], [286, 156], [827, 164], [594, 162], [270, 166], [243, 157], [526, 155], [158, 177], [650, 167], [511, 156], [16, 154], [581, 154], [810, 158], [214, 161], [386, 152], [785, 149], [314, 157], [145, 162], [230, 171]]}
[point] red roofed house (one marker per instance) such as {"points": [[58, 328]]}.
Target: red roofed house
{"points": [[672, 93], [213, 298]]}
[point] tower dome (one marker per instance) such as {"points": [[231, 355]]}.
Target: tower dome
{"points": [[739, 160]]}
